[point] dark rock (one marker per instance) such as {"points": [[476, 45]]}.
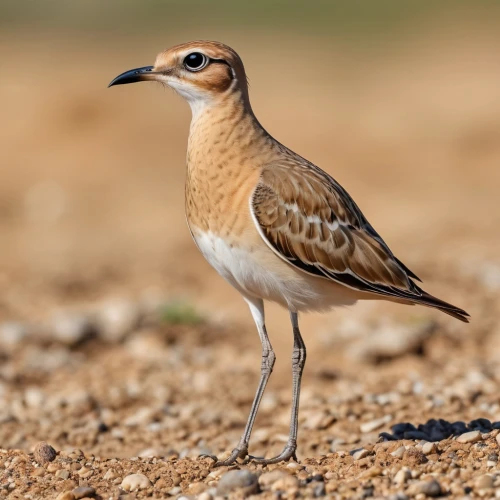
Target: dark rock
{"points": [[459, 428], [416, 435], [402, 428], [385, 436], [481, 424]]}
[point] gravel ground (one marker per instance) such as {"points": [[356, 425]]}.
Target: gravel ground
{"points": [[120, 400]]}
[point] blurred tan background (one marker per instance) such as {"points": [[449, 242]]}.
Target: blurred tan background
{"points": [[399, 101]]}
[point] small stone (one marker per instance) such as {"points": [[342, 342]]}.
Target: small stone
{"points": [[484, 482], [38, 472], [110, 474], [373, 425], [430, 488], [268, 478], [53, 467], [498, 439], [85, 472], [150, 453], [359, 454], [428, 448], [62, 474], [398, 453], [197, 488], [402, 476], [469, 437], [117, 319], [295, 466], [44, 453], [84, 492], [319, 490], [70, 328], [205, 496], [238, 479], [371, 472], [286, 483], [134, 482], [65, 495]]}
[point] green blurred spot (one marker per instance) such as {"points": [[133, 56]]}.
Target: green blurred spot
{"points": [[180, 313]]}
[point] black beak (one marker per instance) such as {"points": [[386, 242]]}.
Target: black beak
{"points": [[134, 75]]}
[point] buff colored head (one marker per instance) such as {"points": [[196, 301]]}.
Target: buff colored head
{"points": [[200, 71]]}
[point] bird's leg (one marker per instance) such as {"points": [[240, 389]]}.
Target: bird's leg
{"points": [[268, 358], [298, 362]]}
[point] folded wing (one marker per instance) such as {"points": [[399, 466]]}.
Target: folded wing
{"points": [[310, 221]]}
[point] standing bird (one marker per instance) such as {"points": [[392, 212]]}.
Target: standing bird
{"points": [[271, 223]]}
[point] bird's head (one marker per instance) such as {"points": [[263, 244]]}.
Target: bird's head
{"points": [[202, 72]]}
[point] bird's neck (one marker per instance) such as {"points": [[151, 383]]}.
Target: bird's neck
{"points": [[223, 131]]}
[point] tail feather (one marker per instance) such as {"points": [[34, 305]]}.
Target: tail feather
{"points": [[426, 299]]}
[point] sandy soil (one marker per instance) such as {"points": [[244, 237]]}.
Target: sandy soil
{"points": [[96, 359]]}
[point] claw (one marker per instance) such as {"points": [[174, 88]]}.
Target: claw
{"points": [[287, 454], [232, 459]]}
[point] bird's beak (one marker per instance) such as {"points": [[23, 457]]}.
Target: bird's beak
{"points": [[134, 75]]}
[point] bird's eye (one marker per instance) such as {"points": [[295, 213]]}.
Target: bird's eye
{"points": [[195, 61]]}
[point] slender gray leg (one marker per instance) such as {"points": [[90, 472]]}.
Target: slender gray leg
{"points": [[298, 362], [268, 358]]}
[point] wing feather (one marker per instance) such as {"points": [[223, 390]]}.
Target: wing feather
{"points": [[310, 221]]}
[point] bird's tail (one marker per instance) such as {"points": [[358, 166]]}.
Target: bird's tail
{"points": [[426, 299]]}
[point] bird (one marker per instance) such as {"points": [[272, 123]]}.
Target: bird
{"points": [[271, 223]]}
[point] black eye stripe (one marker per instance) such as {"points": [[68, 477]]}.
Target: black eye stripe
{"points": [[218, 61], [196, 61]]}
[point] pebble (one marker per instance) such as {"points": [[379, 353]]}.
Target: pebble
{"points": [[268, 478], [62, 474], [373, 425], [428, 448], [116, 319], [399, 452], [65, 495], [134, 482], [238, 479], [70, 328], [110, 474], [84, 492], [359, 454], [205, 496], [12, 334], [285, 483], [38, 472], [484, 482], [44, 453], [371, 472], [498, 439], [430, 488], [402, 476], [469, 437], [295, 466]]}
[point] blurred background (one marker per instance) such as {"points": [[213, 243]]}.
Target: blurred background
{"points": [[399, 101]]}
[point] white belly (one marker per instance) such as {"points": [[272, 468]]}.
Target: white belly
{"points": [[258, 272]]}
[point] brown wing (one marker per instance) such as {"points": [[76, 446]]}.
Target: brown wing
{"points": [[310, 221]]}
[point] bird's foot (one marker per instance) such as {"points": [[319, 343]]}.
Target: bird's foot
{"points": [[288, 453], [240, 452]]}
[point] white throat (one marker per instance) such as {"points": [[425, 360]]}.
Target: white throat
{"points": [[198, 100]]}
